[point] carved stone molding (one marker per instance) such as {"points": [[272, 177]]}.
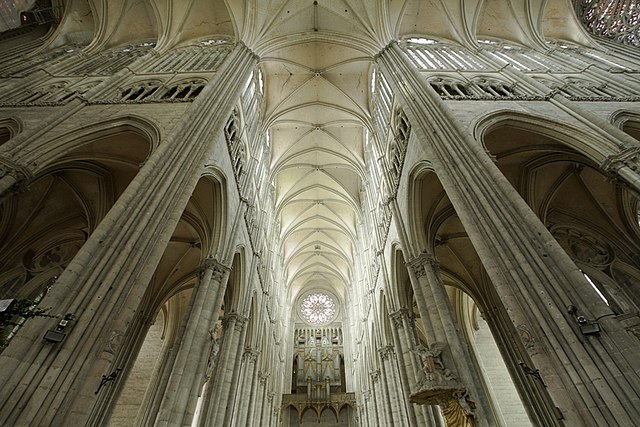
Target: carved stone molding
{"points": [[629, 157], [525, 336], [584, 247], [434, 372], [20, 174], [115, 342]]}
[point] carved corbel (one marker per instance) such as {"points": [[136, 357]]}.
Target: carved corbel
{"points": [[439, 386]]}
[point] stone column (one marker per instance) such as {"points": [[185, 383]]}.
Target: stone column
{"points": [[405, 339], [56, 384], [220, 396], [534, 277], [257, 408], [380, 401], [188, 372], [245, 396], [449, 362], [394, 392], [267, 410]]}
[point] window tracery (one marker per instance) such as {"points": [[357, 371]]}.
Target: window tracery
{"points": [[480, 87], [429, 54], [153, 91], [184, 90], [521, 59], [449, 88], [206, 55], [615, 19], [580, 57], [113, 60], [495, 88], [23, 67], [140, 91], [318, 308]]}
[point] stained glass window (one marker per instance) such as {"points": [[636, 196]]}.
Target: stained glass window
{"points": [[318, 308], [616, 19]]}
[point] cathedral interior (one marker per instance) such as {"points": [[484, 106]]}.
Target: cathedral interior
{"points": [[334, 212]]}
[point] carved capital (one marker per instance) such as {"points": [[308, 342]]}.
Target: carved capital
{"points": [[235, 320], [263, 376], [218, 270], [386, 352], [375, 375], [250, 355], [399, 317], [419, 263]]}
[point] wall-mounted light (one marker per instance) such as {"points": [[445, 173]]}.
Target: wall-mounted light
{"points": [[587, 327], [57, 335]]}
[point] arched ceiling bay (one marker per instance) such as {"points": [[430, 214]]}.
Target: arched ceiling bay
{"points": [[316, 60]]}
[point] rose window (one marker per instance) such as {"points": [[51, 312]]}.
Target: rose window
{"points": [[318, 308]]}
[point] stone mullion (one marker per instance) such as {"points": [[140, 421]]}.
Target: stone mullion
{"points": [[185, 384], [519, 254], [117, 253]]}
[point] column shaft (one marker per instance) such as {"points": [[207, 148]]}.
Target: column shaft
{"points": [[105, 283], [188, 373], [535, 279]]}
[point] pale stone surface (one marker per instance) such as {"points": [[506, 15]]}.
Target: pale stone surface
{"points": [[404, 157]]}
